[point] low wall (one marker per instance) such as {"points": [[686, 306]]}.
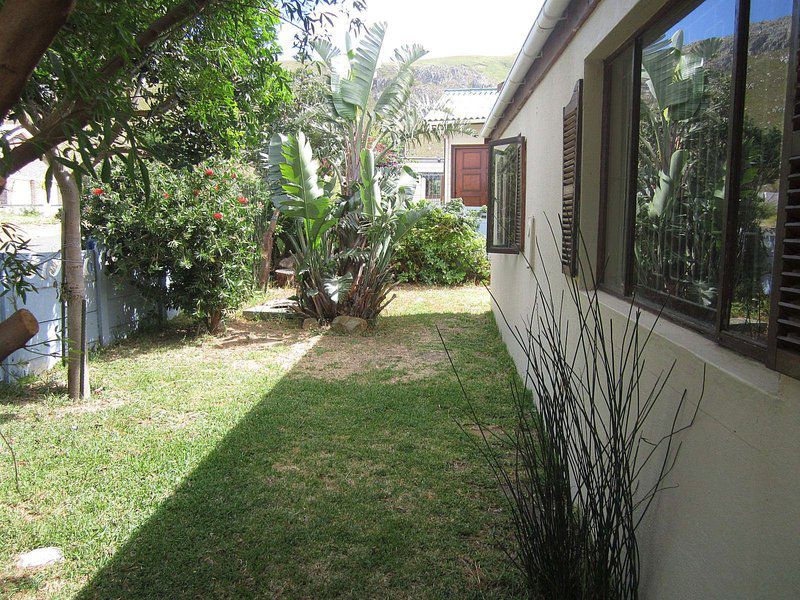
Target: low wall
{"points": [[113, 310]]}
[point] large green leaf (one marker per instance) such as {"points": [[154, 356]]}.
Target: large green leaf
{"points": [[356, 88], [397, 93], [294, 171], [370, 189]]}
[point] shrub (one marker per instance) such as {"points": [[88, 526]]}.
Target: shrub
{"points": [[190, 243], [444, 249]]}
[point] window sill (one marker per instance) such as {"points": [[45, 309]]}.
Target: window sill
{"points": [[685, 341]]}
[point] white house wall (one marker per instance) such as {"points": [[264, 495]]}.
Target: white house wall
{"points": [[732, 527]]}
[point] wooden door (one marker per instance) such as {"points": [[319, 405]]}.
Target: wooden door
{"points": [[470, 166]]}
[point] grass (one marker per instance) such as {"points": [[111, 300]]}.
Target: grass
{"points": [[267, 462]]}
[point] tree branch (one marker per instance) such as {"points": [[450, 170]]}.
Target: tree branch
{"points": [[77, 112], [27, 27]]}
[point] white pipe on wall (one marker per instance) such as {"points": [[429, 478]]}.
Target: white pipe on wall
{"points": [[548, 17]]}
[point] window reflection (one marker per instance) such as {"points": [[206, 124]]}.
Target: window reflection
{"points": [[685, 101], [769, 44]]}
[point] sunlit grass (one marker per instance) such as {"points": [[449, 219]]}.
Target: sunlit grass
{"points": [[268, 462]]}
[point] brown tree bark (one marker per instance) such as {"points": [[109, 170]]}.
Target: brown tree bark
{"points": [[15, 332], [27, 27], [267, 243], [77, 112], [74, 288]]}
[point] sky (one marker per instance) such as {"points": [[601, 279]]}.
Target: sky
{"points": [[448, 27]]}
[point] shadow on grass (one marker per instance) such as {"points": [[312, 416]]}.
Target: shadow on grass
{"points": [[350, 478]]}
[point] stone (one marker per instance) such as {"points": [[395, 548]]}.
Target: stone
{"points": [[276, 309], [310, 323], [286, 263], [350, 325], [41, 557]]}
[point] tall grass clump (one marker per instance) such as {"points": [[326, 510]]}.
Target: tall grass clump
{"points": [[579, 471]]}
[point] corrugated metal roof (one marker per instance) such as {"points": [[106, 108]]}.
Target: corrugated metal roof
{"points": [[470, 104]]}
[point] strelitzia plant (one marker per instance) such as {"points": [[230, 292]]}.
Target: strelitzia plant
{"points": [[343, 245], [349, 224]]}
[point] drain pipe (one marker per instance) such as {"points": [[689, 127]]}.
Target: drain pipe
{"points": [[548, 18]]}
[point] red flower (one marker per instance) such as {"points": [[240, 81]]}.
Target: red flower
{"points": [[242, 200], [166, 194], [97, 192], [216, 187], [196, 192], [209, 172], [233, 175], [217, 215]]}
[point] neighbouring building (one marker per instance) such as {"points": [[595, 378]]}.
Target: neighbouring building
{"points": [[667, 135], [457, 167], [25, 189]]}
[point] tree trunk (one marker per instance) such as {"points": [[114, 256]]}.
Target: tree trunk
{"points": [[27, 28], [267, 243], [15, 332], [74, 289], [215, 323]]}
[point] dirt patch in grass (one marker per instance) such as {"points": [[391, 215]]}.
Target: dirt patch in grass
{"points": [[408, 357]]}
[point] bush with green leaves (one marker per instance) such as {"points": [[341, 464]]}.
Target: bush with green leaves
{"points": [[190, 243], [444, 249]]}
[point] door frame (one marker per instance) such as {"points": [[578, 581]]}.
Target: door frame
{"points": [[453, 148]]}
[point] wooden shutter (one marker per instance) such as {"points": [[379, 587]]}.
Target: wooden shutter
{"points": [[784, 351], [570, 181]]}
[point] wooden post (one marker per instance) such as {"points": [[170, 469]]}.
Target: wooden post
{"points": [[15, 332]]}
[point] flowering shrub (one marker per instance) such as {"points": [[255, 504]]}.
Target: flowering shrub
{"points": [[444, 249], [190, 243]]}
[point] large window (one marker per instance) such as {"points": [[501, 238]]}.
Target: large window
{"points": [[506, 211], [693, 165]]}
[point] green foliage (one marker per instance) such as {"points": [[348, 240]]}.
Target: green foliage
{"points": [[343, 245], [194, 232], [445, 249], [15, 265]]}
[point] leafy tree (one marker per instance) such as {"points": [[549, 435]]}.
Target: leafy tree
{"points": [[129, 80], [351, 213], [390, 124]]}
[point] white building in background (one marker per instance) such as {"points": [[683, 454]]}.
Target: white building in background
{"points": [[25, 189], [456, 168]]}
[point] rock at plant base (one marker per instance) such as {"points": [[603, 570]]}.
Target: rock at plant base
{"points": [[41, 557], [276, 309], [345, 324], [309, 324], [287, 263]]}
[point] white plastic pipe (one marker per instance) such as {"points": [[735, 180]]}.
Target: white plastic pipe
{"points": [[548, 17]]}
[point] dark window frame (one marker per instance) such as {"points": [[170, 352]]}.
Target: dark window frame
{"points": [[429, 179], [673, 12], [519, 245]]}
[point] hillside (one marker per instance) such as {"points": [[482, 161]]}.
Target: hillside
{"points": [[434, 75]]}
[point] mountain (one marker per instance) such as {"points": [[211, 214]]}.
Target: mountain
{"points": [[434, 75]]}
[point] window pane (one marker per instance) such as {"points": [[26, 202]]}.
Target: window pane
{"points": [[505, 190], [769, 45], [620, 92], [685, 103], [433, 186]]}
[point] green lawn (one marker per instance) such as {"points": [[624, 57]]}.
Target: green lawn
{"points": [[267, 462]]}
